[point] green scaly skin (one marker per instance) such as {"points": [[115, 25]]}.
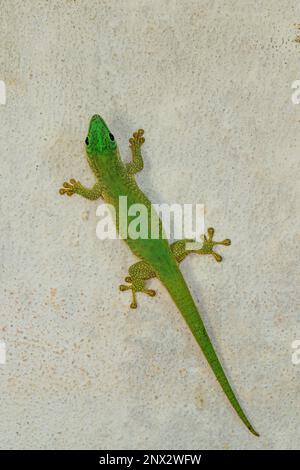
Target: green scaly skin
{"points": [[157, 257]]}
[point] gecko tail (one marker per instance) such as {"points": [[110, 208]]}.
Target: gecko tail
{"points": [[186, 305]]}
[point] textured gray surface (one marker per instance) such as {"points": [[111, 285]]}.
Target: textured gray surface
{"points": [[210, 82]]}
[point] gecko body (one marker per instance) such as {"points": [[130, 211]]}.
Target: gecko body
{"points": [[157, 258]]}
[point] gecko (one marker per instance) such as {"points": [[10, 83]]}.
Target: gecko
{"points": [[157, 256]]}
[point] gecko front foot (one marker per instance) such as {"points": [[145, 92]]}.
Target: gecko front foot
{"points": [[209, 243], [70, 188], [137, 139]]}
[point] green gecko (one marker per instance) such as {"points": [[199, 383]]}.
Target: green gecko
{"points": [[157, 257]]}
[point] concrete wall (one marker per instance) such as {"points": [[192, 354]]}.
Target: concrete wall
{"points": [[210, 82]]}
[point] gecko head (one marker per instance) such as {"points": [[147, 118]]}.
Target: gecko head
{"points": [[99, 141]]}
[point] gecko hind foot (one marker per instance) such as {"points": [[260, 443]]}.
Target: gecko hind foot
{"points": [[209, 243], [138, 274], [134, 289]]}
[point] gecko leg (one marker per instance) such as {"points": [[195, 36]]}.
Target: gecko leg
{"points": [[135, 143], [139, 273], [179, 247], [75, 187]]}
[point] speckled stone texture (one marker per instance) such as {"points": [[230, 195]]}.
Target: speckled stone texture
{"points": [[210, 82]]}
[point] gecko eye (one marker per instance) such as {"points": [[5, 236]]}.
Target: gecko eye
{"points": [[87, 141], [111, 137]]}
